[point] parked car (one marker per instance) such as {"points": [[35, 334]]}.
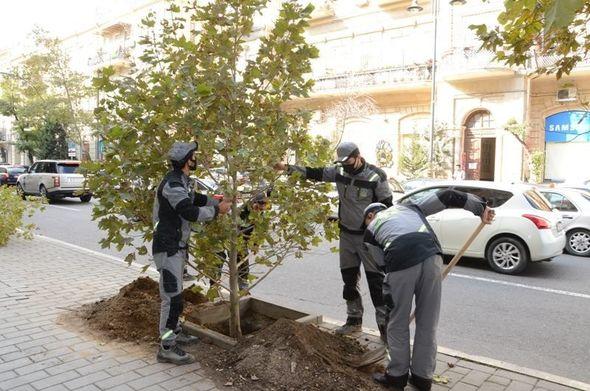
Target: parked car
{"points": [[417, 183], [9, 174], [574, 206], [54, 179], [526, 229]]}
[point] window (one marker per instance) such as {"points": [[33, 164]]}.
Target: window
{"points": [[50, 168], [68, 168], [411, 199], [536, 200], [479, 120], [560, 202], [16, 170], [35, 167], [493, 197]]}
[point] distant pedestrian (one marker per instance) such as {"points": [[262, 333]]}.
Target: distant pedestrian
{"points": [[459, 174]]}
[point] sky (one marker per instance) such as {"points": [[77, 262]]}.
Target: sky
{"points": [[60, 17]]}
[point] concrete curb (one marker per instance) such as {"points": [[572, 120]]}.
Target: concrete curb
{"points": [[449, 352], [494, 363]]}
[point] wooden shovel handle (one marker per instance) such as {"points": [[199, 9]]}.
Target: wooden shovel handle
{"points": [[457, 256]]}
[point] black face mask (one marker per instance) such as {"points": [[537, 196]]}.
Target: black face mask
{"points": [[348, 168], [192, 164]]}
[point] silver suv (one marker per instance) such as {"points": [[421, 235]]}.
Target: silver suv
{"points": [[53, 179]]}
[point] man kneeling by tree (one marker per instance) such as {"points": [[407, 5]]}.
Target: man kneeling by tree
{"points": [[402, 242]]}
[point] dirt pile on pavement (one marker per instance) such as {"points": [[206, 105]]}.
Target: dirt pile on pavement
{"points": [[291, 356], [134, 313]]}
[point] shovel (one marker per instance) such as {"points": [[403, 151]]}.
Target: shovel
{"points": [[376, 355]]}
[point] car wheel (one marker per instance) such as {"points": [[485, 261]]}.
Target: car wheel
{"points": [[507, 255], [20, 191], [85, 198], [43, 193], [578, 242]]}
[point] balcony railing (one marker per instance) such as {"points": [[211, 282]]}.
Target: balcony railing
{"points": [[470, 58], [105, 58], [383, 77]]}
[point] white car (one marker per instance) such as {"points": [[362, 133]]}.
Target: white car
{"points": [[574, 206], [54, 179], [525, 228]]}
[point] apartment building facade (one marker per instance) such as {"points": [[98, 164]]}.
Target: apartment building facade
{"points": [[374, 85]]}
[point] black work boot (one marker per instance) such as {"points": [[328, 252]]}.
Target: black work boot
{"points": [[352, 325], [392, 382], [174, 355], [421, 383]]}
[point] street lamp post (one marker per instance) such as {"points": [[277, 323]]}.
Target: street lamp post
{"points": [[414, 7]]}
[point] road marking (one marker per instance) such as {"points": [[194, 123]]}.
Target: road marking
{"points": [[64, 207], [531, 287]]}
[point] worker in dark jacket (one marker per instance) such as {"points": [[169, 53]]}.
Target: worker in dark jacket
{"points": [[402, 242], [359, 184], [175, 207]]}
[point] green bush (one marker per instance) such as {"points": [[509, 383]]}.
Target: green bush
{"points": [[12, 210]]}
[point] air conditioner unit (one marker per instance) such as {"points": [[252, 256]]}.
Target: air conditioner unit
{"points": [[569, 94]]}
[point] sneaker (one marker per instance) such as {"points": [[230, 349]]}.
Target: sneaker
{"points": [[350, 327], [186, 339], [174, 355]]}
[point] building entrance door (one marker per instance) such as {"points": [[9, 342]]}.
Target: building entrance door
{"points": [[488, 159]]}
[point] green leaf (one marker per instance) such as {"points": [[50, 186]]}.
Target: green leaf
{"points": [[561, 13]]}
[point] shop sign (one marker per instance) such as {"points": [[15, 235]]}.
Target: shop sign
{"points": [[568, 126]]}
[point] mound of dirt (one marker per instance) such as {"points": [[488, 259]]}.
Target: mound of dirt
{"points": [[134, 313], [291, 356]]}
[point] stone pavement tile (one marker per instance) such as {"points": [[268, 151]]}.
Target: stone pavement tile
{"points": [[20, 333], [118, 380], [516, 376], [489, 386], [127, 367], [86, 381], [203, 385], [26, 387], [21, 380], [146, 381], [439, 387], [22, 353], [476, 366], [179, 370], [98, 365], [445, 358], [463, 387], [551, 386], [441, 366], [154, 368], [29, 325], [122, 387], [79, 363], [36, 342], [7, 375], [181, 381], [51, 353], [38, 366], [8, 349], [453, 378], [156, 388], [10, 365], [64, 343], [519, 386], [56, 379], [15, 341], [58, 387], [499, 380], [475, 378]]}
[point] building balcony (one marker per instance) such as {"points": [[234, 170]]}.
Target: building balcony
{"points": [[471, 63], [535, 62], [120, 57], [322, 13], [115, 29], [377, 80]]}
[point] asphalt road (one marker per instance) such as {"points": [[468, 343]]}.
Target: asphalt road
{"points": [[539, 319]]}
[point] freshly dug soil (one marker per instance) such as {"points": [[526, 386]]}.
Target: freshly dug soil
{"points": [[134, 313], [290, 356]]}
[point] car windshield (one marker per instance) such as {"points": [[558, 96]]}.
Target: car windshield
{"points": [[68, 168], [537, 201], [16, 170]]}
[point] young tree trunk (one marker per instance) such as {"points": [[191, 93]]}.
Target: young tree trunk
{"points": [[235, 328]]}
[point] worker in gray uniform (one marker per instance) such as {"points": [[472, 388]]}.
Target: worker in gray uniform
{"points": [[176, 206], [402, 242], [359, 184]]}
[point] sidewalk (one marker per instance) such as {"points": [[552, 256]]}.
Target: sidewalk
{"points": [[40, 279]]}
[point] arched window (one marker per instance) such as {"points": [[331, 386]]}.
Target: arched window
{"points": [[479, 120]]}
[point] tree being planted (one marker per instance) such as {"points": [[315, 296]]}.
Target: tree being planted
{"points": [[194, 83]]}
